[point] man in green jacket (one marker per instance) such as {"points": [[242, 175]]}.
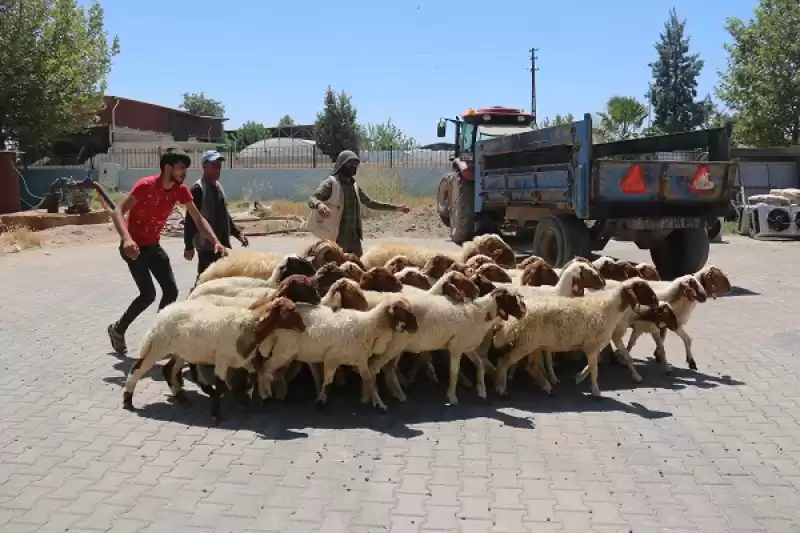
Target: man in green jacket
{"points": [[351, 231]]}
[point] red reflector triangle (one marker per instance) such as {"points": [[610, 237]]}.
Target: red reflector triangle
{"points": [[701, 182], [633, 182]]}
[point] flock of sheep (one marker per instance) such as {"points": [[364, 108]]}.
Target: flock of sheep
{"points": [[261, 316]]}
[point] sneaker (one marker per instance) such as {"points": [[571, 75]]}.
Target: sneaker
{"points": [[117, 340]]}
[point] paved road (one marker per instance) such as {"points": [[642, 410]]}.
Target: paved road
{"points": [[713, 450]]}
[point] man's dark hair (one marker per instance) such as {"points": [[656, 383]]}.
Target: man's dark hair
{"points": [[174, 156]]}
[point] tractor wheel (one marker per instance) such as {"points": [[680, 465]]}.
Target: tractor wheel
{"points": [[462, 210], [685, 251], [559, 238], [443, 197]]}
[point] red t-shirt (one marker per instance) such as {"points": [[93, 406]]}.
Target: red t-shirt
{"points": [[152, 208]]}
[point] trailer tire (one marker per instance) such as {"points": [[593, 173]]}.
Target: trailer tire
{"points": [[462, 210], [685, 251], [443, 197], [559, 238], [714, 229]]}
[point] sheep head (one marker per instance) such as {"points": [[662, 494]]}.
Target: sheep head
{"points": [[700, 295], [463, 284], [485, 286], [298, 288], [353, 258], [352, 270], [437, 265], [647, 272], [495, 247], [293, 264], [460, 267], [346, 294], [714, 281], [280, 313], [327, 275], [323, 252], [629, 267], [611, 270], [539, 273], [637, 292], [508, 304], [380, 279], [493, 272], [480, 259], [528, 260], [401, 317], [588, 278], [398, 263], [662, 315], [414, 278]]}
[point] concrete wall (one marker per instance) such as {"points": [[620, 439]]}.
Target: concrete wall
{"points": [[241, 183]]}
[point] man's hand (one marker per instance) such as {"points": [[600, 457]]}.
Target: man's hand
{"points": [[244, 241], [403, 208], [221, 250], [323, 210], [188, 254], [130, 248]]}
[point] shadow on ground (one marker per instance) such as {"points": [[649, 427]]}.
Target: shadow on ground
{"points": [[427, 401]]}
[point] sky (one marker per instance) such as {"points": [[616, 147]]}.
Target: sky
{"points": [[410, 61]]}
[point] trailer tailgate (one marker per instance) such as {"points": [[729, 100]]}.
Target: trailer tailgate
{"points": [[699, 182]]}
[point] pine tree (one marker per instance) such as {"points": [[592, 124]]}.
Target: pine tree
{"points": [[336, 128], [673, 92]]}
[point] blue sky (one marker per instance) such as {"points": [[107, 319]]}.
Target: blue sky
{"points": [[407, 60]]}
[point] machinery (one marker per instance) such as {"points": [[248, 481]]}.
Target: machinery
{"points": [[576, 194], [76, 194]]}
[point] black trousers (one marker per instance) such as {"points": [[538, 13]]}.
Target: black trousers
{"points": [[152, 262], [204, 260]]}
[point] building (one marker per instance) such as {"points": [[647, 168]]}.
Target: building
{"points": [[127, 124]]}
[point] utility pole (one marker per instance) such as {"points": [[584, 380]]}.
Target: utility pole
{"points": [[533, 83]]}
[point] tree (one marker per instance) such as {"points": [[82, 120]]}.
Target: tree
{"points": [[557, 121], [286, 121], [55, 57], [674, 88], [385, 136], [200, 104], [761, 85], [622, 119], [336, 128], [250, 132]]}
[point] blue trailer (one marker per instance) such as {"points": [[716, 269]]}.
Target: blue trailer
{"points": [[575, 195]]}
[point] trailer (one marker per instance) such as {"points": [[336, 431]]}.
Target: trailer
{"points": [[574, 195]]}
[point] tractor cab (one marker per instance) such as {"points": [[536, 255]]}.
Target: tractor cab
{"points": [[477, 125]]}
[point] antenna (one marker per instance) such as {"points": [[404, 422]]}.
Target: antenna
{"points": [[533, 82]]}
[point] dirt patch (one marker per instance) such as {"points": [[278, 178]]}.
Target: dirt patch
{"points": [[421, 222]]}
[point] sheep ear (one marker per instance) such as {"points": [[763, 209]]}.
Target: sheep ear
{"points": [[246, 342], [335, 301], [452, 292], [628, 298]]}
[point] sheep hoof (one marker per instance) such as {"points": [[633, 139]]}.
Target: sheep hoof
{"points": [[127, 401], [181, 398], [636, 377], [452, 399], [692, 364], [381, 408], [481, 390]]}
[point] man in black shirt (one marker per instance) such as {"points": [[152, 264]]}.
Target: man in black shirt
{"points": [[210, 201]]}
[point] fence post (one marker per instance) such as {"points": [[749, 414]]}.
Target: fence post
{"points": [[391, 155], [314, 157]]}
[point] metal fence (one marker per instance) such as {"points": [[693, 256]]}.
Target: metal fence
{"points": [[290, 157]]}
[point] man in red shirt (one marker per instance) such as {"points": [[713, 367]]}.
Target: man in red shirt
{"points": [[148, 206]]}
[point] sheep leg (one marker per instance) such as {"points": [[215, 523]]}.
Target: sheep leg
{"points": [[619, 344], [429, 368], [512, 371], [140, 368], [548, 364], [501, 373], [635, 334], [480, 373], [329, 371], [171, 371], [368, 377], [591, 370], [314, 368], [661, 353], [534, 369], [390, 373], [455, 370], [274, 364], [216, 404], [464, 380], [687, 344]]}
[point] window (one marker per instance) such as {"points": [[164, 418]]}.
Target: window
{"points": [[467, 135]]}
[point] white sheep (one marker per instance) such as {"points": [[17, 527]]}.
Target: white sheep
{"points": [[558, 324], [458, 328], [708, 281], [202, 334], [265, 266], [342, 337]]}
